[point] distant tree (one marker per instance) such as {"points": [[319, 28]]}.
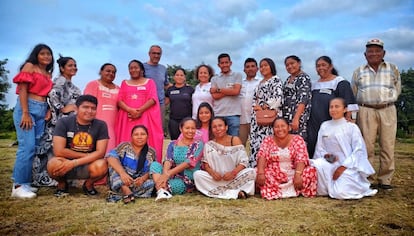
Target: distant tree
{"points": [[189, 74], [6, 116], [405, 103], [4, 83]]}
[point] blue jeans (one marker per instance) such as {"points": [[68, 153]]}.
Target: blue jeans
{"points": [[28, 139], [233, 123]]}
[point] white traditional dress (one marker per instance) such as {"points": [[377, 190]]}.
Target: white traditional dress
{"points": [[344, 140], [223, 159]]}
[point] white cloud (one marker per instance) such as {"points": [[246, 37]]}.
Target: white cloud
{"points": [[322, 8]]}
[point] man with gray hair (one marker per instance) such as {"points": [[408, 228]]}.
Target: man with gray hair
{"points": [[376, 86], [158, 73]]}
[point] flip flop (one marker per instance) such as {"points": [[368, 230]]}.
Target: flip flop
{"points": [[129, 198]]}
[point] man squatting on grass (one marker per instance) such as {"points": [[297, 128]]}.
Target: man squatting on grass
{"points": [[79, 144]]}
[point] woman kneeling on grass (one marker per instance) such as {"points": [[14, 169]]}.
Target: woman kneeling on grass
{"points": [[283, 168], [341, 157], [225, 160], [175, 176], [129, 165]]}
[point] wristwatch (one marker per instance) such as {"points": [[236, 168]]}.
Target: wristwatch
{"points": [[218, 90]]}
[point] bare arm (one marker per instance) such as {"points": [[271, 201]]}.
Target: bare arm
{"points": [[26, 121], [297, 179], [261, 164], [299, 111], [148, 104], [116, 165], [60, 150], [220, 93]]}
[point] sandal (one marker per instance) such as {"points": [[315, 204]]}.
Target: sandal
{"points": [[113, 197], [242, 195], [129, 198], [91, 192]]}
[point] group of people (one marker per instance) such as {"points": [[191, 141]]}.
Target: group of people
{"points": [[114, 134]]}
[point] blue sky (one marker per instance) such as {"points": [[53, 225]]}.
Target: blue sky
{"points": [[192, 32]]}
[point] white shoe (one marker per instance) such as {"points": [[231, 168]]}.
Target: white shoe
{"points": [[22, 192], [30, 188], [162, 195], [371, 192]]}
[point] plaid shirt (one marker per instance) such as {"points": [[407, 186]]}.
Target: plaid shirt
{"points": [[374, 88]]}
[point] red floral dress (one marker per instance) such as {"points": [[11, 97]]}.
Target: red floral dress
{"points": [[280, 169]]}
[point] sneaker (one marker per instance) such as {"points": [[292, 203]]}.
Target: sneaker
{"points": [[59, 193], [162, 195], [30, 188], [22, 192]]}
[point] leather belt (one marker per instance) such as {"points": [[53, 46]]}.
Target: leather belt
{"points": [[377, 106]]}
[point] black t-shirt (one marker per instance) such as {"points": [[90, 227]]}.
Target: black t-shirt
{"points": [[81, 138], [180, 101]]}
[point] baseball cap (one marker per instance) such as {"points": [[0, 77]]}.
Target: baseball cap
{"points": [[377, 42]]}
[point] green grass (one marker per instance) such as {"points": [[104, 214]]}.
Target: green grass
{"points": [[388, 213]]}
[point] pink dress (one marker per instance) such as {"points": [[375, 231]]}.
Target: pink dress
{"points": [[135, 96], [279, 170], [107, 107]]}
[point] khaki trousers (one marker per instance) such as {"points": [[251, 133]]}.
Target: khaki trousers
{"points": [[381, 124]]}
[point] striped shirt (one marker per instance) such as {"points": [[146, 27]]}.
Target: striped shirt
{"points": [[375, 88]]}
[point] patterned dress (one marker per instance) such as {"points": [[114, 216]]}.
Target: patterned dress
{"points": [[63, 93], [223, 159], [279, 170], [266, 92], [295, 93], [135, 165], [192, 154]]}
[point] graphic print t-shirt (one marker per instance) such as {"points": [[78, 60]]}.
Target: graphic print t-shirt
{"points": [[81, 138]]}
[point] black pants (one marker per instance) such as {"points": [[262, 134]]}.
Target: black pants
{"points": [[174, 128]]}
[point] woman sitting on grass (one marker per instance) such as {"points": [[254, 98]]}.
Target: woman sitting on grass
{"points": [[225, 160], [341, 157], [283, 165], [175, 176], [129, 165]]}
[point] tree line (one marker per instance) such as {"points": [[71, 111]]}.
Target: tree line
{"points": [[405, 103]]}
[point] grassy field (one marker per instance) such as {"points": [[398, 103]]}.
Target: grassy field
{"points": [[388, 213]]}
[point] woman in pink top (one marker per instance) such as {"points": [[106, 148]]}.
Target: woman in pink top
{"points": [[138, 103], [33, 85], [107, 94]]}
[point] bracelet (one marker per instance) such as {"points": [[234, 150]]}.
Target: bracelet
{"points": [[75, 163], [298, 172]]}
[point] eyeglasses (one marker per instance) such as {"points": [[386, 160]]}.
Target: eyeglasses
{"points": [[156, 53]]}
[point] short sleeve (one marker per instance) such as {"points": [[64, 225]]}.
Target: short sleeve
{"points": [[23, 77], [301, 152], [103, 131], [60, 128]]}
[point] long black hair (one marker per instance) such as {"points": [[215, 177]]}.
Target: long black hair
{"points": [[34, 60]]}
